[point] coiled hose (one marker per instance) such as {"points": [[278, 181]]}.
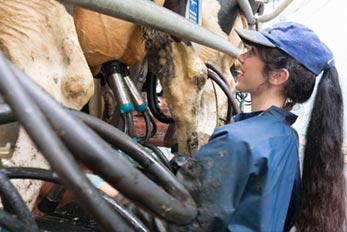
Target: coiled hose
{"points": [[99, 156]]}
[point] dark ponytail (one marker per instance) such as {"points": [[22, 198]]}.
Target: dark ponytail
{"points": [[322, 196], [322, 201]]}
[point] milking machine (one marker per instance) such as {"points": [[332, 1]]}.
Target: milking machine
{"points": [[67, 140], [114, 72], [129, 98], [141, 107]]}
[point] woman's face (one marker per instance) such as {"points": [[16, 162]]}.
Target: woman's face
{"points": [[251, 78]]}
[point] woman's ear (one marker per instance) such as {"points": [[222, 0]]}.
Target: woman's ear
{"points": [[279, 77]]}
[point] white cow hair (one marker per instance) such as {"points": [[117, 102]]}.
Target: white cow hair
{"points": [[39, 37]]}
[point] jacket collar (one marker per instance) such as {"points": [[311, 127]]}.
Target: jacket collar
{"points": [[274, 111]]}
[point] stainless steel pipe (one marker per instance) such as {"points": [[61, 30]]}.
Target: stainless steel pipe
{"points": [[147, 13], [247, 10], [267, 17]]}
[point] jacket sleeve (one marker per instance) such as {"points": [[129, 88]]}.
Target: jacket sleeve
{"points": [[216, 177]]}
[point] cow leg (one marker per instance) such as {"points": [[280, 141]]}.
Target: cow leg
{"points": [[26, 155]]}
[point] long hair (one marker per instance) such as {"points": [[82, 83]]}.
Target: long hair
{"points": [[323, 203], [322, 194]]}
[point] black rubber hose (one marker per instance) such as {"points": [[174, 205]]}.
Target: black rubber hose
{"points": [[61, 160], [163, 176], [124, 124], [219, 73], [162, 158], [153, 101], [31, 173], [115, 137], [229, 111], [11, 223], [227, 92], [10, 195], [46, 175], [50, 176], [225, 81], [151, 127], [147, 120], [134, 221], [42, 174], [99, 156], [153, 122], [6, 115], [129, 121], [47, 204]]}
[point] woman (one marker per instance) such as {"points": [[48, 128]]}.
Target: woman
{"points": [[247, 178]]}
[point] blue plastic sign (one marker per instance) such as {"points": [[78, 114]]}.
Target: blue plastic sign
{"points": [[193, 11]]}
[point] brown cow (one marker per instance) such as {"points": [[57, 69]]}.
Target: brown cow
{"points": [[190, 97], [104, 38]]}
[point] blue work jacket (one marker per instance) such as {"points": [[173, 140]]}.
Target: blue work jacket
{"points": [[246, 178]]}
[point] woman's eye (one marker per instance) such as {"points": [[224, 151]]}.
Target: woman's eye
{"points": [[250, 51]]}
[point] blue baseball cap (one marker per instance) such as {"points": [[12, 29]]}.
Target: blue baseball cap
{"points": [[296, 40]]}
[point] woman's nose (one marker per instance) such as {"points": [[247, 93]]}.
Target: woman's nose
{"points": [[241, 57]]}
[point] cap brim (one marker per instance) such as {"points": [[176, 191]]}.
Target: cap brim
{"points": [[254, 37]]}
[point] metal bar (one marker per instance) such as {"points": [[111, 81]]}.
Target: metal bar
{"points": [[247, 10], [149, 14], [275, 13]]}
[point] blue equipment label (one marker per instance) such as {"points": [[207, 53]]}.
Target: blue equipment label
{"points": [[193, 11]]}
